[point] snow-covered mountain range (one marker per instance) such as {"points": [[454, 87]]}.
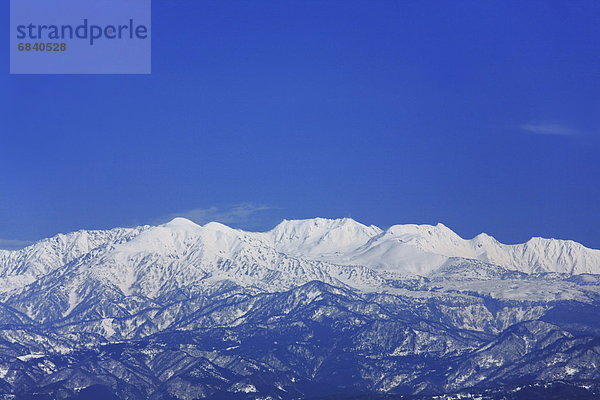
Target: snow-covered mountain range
{"points": [[123, 254], [209, 311], [422, 249]]}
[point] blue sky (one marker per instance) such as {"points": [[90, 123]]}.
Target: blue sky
{"points": [[482, 115]]}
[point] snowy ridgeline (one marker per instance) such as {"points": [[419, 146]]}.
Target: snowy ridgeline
{"points": [[55, 278], [330, 250], [310, 308]]}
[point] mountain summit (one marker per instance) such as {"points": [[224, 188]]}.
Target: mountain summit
{"points": [[402, 249], [187, 311]]}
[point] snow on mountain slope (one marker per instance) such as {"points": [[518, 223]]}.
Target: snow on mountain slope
{"points": [[320, 237], [163, 307], [182, 253], [21, 267], [422, 249], [543, 255], [170, 260], [148, 261], [412, 249]]}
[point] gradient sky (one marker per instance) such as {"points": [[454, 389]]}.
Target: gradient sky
{"points": [[483, 115]]}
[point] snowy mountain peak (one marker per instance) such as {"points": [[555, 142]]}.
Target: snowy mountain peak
{"points": [[217, 226], [302, 249], [313, 224], [82, 304], [18, 267], [484, 237], [541, 241], [422, 249], [318, 237], [424, 229], [181, 223]]}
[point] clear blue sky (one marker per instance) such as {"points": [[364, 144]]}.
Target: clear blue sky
{"points": [[483, 115]]}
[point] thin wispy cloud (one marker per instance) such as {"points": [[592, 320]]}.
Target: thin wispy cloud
{"points": [[9, 244], [243, 215], [548, 129]]}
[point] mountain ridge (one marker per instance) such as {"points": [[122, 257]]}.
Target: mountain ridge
{"points": [[308, 308], [409, 248]]}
